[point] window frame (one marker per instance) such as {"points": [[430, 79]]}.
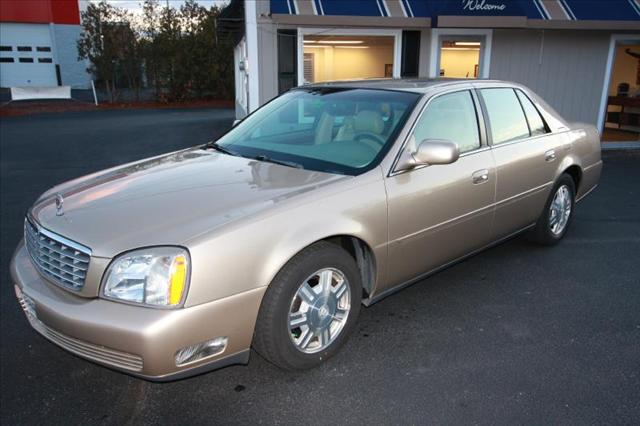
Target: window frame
{"points": [[482, 129]]}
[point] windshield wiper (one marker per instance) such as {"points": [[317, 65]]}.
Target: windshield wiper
{"points": [[267, 159], [219, 148]]}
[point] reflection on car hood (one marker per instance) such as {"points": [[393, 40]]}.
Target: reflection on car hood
{"points": [[168, 199]]}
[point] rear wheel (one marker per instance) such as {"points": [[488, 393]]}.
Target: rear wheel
{"points": [[556, 217], [310, 308]]}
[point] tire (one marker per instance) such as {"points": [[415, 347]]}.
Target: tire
{"points": [[289, 314], [549, 230]]}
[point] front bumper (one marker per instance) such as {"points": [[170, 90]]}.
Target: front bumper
{"points": [[137, 340]]}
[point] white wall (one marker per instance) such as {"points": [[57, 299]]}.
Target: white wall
{"points": [[15, 74]]}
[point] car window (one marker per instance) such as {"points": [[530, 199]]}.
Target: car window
{"points": [[452, 117], [536, 123], [506, 118], [336, 130]]}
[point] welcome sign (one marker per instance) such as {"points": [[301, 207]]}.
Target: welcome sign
{"points": [[435, 8], [472, 5]]}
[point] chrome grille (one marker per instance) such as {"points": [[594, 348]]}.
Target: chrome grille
{"points": [[62, 261]]}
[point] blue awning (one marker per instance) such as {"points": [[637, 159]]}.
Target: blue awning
{"points": [[286, 7], [351, 7], [613, 10]]}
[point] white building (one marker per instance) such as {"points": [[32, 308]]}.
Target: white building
{"points": [[572, 52], [38, 44]]}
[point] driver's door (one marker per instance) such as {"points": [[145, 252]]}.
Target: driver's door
{"points": [[439, 213]]}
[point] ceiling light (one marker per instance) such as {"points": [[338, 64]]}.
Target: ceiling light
{"points": [[467, 43], [342, 41], [351, 47], [310, 41]]}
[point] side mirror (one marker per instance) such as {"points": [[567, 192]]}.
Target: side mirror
{"points": [[430, 152], [436, 151], [235, 122]]}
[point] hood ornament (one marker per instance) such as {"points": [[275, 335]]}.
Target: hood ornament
{"points": [[59, 204]]}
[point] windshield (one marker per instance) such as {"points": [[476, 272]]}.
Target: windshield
{"points": [[333, 130]]}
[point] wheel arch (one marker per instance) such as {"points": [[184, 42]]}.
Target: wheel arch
{"points": [[364, 257], [571, 165], [361, 252], [575, 172]]}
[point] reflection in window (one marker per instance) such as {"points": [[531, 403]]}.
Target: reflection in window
{"points": [[506, 118], [325, 129], [451, 117], [536, 124]]}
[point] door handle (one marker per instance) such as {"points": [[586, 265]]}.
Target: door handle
{"points": [[480, 176], [550, 155]]}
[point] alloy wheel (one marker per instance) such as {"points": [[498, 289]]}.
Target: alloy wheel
{"points": [[319, 310], [560, 210]]}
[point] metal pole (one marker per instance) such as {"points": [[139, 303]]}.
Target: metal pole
{"points": [[95, 98]]}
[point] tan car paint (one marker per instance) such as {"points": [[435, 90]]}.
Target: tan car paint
{"points": [[242, 220]]}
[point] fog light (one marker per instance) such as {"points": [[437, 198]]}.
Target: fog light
{"points": [[202, 350]]}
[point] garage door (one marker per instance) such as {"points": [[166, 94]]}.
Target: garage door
{"points": [[26, 56]]}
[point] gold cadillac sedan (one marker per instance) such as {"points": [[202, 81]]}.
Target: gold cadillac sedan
{"points": [[327, 198]]}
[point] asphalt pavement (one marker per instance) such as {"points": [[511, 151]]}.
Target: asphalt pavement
{"points": [[519, 334]]}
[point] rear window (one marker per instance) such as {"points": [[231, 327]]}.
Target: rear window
{"points": [[536, 123], [506, 118]]}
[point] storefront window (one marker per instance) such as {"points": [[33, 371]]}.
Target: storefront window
{"points": [[336, 57], [460, 58]]}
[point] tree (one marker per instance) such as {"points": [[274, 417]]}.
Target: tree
{"points": [[91, 44], [111, 46], [175, 49]]}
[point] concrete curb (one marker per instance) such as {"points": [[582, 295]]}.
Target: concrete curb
{"points": [[606, 146]]}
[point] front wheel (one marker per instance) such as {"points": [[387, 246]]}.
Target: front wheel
{"points": [[310, 308], [556, 217]]}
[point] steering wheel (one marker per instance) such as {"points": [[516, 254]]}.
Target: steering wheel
{"points": [[370, 136]]}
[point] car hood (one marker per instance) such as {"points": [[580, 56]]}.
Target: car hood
{"points": [[169, 199]]}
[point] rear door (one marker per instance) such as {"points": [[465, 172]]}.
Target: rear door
{"points": [[439, 213], [525, 154]]}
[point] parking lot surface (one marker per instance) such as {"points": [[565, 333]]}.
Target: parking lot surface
{"points": [[519, 334]]}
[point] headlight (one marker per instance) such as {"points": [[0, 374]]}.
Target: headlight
{"points": [[157, 276]]}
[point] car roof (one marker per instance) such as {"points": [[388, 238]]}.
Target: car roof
{"points": [[418, 85]]}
